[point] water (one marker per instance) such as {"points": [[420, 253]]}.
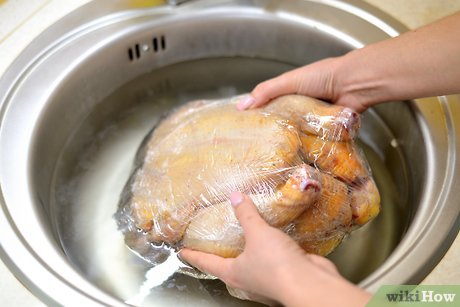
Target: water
{"points": [[97, 161], [89, 233]]}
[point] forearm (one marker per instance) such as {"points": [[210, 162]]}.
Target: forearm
{"points": [[424, 62]]}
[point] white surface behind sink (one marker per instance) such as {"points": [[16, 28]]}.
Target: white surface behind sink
{"points": [[22, 20]]}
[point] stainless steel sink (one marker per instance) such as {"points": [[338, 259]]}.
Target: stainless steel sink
{"points": [[77, 102]]}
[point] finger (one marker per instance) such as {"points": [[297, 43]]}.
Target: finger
{"points": [[267, 90], [247, 213], [208, 263], [270, 89]]}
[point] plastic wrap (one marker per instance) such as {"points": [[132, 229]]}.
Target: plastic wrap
{"points": [[294, 157]]}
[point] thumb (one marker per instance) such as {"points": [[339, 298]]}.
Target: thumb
{"points": [[246, 213]]}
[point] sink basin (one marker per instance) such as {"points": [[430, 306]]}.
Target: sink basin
{"points": [[77, 102]]}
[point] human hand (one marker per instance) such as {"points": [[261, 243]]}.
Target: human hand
{"points": [[402, 68], [320, 80], [273, 267]]}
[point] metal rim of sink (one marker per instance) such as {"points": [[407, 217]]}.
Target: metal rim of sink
{"points": [[29, 247]]}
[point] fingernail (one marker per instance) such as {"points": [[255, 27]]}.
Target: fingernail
{"points": [[236, 198], [245, 102]]}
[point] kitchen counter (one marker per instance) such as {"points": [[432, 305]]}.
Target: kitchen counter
{"points": [[23, 20]]}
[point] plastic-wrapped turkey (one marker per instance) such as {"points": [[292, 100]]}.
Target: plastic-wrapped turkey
{"points": [[295, 157]]}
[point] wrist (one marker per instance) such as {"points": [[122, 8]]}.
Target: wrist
{"points": [[309, 285], [358, 85], [302, 286]]}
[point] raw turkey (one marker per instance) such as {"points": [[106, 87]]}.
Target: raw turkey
{"points": [[295, 158]]}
